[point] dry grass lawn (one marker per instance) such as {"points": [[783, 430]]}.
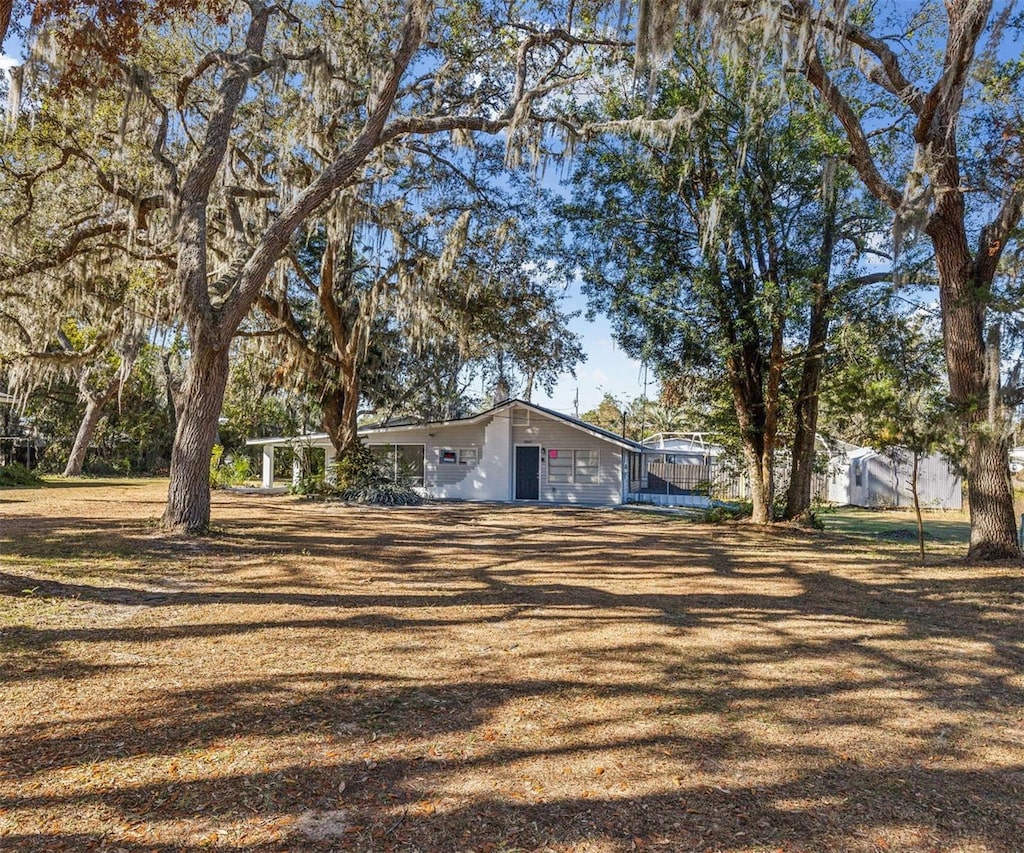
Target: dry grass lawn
{"points": [[494, 678]]}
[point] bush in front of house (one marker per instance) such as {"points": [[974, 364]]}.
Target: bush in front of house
{"points": [[17, 474], [382, 494], [359, 478]]}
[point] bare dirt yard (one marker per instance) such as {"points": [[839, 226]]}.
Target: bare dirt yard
{"points": [[495, 678]]}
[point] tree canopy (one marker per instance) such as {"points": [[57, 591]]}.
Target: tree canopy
{"points": [[347, 194]]}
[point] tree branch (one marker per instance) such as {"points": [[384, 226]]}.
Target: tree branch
{"points": [[888, 74], [861, 156], [993, 237], [253, 276], [63, 253]]}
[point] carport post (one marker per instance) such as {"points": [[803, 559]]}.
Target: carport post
{"points": [[268, 466], [297, 466], [330, 474]]}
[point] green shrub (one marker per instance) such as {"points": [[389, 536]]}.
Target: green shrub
{"points": [[382, 494], [815, 520], [234, 472], [17, 474], [358, 468], [312, 486], [722, 512], [359, 477]]}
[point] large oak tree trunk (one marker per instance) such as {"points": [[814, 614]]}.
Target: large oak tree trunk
{"points": [[350, 410], [332, 404], [758, 448], [94, 404], [989, 492], [963, 296], [799, 494], [341, 409], [188, 496]]}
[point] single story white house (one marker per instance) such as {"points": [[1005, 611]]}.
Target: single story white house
{"points": [[513, 451]]}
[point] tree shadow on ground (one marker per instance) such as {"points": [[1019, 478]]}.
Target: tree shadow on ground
{"points": [[531, 679]]}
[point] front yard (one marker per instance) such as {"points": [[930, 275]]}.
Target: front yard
{"points": [[496, 678]]}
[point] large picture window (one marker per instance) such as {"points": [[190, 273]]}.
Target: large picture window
{"points": [[402, 463], [574, 466]]}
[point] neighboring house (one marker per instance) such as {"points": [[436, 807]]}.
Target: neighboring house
{"points": [[513, 451], [689, 469], [1016, 460], [861, 476]]}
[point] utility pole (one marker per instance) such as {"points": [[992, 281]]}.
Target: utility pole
{"points": [[643, 407]]}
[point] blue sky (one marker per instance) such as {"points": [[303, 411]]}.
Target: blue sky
{"points": [[607, 368]]}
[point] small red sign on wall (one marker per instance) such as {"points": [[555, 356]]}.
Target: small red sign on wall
{"points": [[552, 454]]}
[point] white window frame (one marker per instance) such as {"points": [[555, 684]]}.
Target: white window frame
{"points": [[572, 472]]}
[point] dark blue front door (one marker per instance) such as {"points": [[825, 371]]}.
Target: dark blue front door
{"points": [[527, 473]]}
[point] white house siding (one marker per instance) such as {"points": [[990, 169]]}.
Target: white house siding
{"points": [[494, 475], [486, 479], [549, 434], [446, 475]]}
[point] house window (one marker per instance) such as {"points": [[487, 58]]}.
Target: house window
{"points": [[462, 456], [560, 466], [401, 463], [588, 466], [574, 466]]}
